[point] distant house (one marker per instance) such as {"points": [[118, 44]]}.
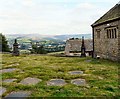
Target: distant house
{"points": [[106, 35], [73, 47]]}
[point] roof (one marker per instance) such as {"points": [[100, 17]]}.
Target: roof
{"points": [[112, 14], [75, 45]]}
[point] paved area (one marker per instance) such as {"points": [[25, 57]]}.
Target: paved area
{"points": [[79, 82], [18, 95], [8, 70], [2, 90], [30, 81], [75, 72], [56, 82], [9, 80]]}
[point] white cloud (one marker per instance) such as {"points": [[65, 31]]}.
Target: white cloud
{"points": [[50, 16], [28, 2]]}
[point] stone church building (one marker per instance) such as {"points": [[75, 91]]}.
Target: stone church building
{"points": [[106, 35], [73, 47]]}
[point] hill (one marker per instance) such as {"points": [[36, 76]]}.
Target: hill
{"points": [[40, 37]]}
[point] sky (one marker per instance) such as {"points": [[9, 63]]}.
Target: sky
{"points": [[51, 17]]}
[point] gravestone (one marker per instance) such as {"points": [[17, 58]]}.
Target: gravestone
{"points": [[75, 72], [15, 49], [9, 80], [88, 60], [18, 95], [16, 64], [2, 90], [30, 81], [56, 82], [79, 82], [8, 70], [83, 49]]}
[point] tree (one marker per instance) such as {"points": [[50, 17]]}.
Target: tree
{"points": [[39, 50], [3, 44]]}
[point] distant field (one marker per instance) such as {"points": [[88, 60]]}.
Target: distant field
{"points": [[101, 75]]}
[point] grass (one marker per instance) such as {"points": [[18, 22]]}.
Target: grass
{"points": [[101, 75]]}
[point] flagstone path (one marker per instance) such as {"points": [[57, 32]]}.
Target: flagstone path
{"points": [[9, 80], [16, 64], [79, 82], [18, 95], [75, 72], [8, 70], [56, 82], [34, 81], [2, 90], [30, 81], [88, 60]]}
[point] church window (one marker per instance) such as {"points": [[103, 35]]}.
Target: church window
{"points": [[98, 33], [112, 33]]}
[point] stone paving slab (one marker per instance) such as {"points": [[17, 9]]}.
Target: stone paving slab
{"points": [[56, 82], [18, 95], [8, 70], [2, 90], [9, 80], [30, 81], [16, 64], [88, 60], [79, 82], [75, 72]]}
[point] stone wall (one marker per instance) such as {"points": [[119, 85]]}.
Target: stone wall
{"points": [[108, 48], [119, 41]]}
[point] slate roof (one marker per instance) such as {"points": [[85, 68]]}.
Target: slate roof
{"points": [[75, 45], [112, 14]]}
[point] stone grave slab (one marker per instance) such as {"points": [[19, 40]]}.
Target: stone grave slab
{"points": [[2, 90], [9, 80], [56, 82], [79, 82], [88, 60], [30, 81], [18, 95], [16, 64], [8, 70], [75, 72]]}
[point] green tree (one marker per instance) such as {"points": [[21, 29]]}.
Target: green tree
{"points": [[3, 44], [39, 50]]}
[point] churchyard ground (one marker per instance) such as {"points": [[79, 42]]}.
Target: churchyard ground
{"points": [[99, 77]]}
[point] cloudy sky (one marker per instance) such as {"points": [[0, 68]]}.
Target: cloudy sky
{"points": [[51, 17]]}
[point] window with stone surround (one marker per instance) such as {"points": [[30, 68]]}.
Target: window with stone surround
{"points": [[111, 33], [98, 33]]}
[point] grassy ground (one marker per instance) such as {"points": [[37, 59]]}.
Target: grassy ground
{"points": [[101, 75]]}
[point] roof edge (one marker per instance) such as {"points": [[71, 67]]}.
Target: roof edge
{"points": [[93, 25]]}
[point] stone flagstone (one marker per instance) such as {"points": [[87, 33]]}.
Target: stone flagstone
{"points": [[2, 90], [8, 70], [75, 72], [88, 60], [9, 80], [16, 64], [18, 95], [30, 81], [79, 82], [56, 82]]}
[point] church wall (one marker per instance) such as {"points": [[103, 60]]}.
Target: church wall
{"points": [[108, 48]]}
